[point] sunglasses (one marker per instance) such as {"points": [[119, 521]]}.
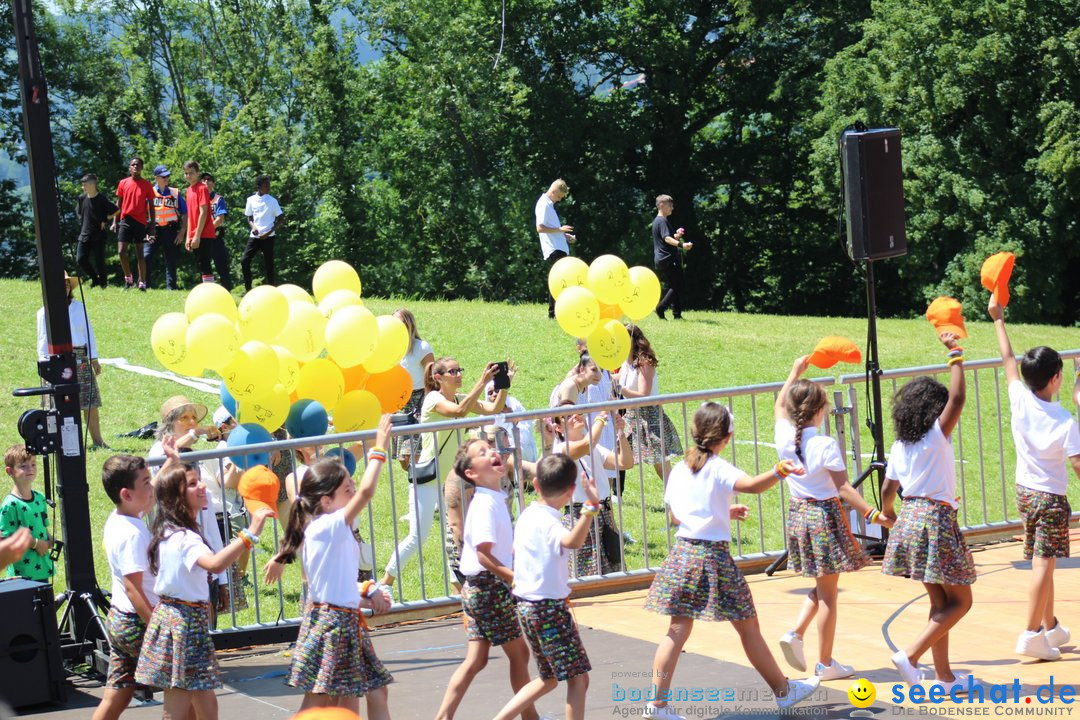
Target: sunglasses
{"points": [[454, 371]]}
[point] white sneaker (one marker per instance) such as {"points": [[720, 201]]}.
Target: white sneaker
{"points": [[908, 672], [651, 711], [1058, 635], [1034, 644], [792, 646], [797, 691], [833, 671], [960, 682]]}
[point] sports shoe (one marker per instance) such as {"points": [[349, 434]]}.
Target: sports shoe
{"points": [[908, 672], [142, 286], [628, 539], [792, 645], [960, 682], [129, 285], [797, 691], [660, 314], [833, 671], [651, 711], [1034, 644], [1058, 635]]}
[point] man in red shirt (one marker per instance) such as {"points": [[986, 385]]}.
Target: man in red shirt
{"points": [[134, 222], [201, 231]]}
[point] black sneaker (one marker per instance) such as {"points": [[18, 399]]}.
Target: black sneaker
{"points": [[660, 313]]}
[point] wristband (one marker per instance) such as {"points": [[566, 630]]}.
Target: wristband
{"points": [[955, 351], [955, 360], [243, 537], [377, 453], [250, 539], [601, 419], [369, 589], [778, 469]]}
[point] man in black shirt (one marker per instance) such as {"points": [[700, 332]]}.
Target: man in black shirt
{"points": [[666, 246], [93, 210]]}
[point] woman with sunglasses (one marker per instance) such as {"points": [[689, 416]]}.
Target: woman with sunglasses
{"points": [[442, 401]]}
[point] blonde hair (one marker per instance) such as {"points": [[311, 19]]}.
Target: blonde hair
{"points": [[560, 185]]}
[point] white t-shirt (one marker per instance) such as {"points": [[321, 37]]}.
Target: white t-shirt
{"points": [[589, 465], [702, 501], [524, 430], [263, 211], [1045, 435], [821, 454], [178, 574], [546, 215], [126, 539], [926, 468], [487, 521], [331, 556], [601, 392], [419, 350], [540, 568], [628, 378], [81, 332]]}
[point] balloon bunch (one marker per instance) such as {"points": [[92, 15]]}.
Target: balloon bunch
{"points": [[591, 299], [269, 351]]}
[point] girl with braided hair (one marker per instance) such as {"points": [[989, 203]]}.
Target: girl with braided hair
{"points": [[820, 542]]}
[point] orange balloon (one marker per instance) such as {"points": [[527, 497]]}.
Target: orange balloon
{"points": [[355, 377], [610, 312], [393, 388]]}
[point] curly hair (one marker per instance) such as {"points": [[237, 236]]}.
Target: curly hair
{"points": [[916, 406], [803, 402]]}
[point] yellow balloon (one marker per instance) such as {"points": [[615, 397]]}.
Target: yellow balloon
{"points": [[187, 368], [644, 293], [253, 372], [357, 410], [322, 381], [263, 313], [295, 292], [335, 275], [609, 279], [168, 339], [577, 311], [609, 345], [337, 300], [288, 369], [269, 411], [304, 331], [391, 345], [212, 340], [351, 335], [207, 298], [567, 272]]}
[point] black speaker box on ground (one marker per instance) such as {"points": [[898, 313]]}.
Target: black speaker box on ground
{"points": [[30, 667], [873, 194]]}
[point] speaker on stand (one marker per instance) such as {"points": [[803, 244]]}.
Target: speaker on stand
{"points": [[30, 664]]}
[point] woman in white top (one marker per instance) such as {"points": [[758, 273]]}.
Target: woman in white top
{"points": [[926, 544], [652, 435], [418, 357], [820, 543]]}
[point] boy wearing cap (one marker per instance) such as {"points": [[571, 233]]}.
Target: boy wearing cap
{"points": [[136, 197], [170, 216], [1045, 434], [93, 210]]}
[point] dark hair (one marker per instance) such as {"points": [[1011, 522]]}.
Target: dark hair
{"points": [[431, 369], [916, 406], [1039, 366], [803, 402], [119, 472], [641, 352], [173, 513], [559, 421], [262, 180], [322, 479], [555, 474], [463, 462], [711, 424], [584, 361], [206, 176], [134, 158], [192, 165], [16, 454]]}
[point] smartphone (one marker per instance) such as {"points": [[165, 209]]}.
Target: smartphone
{"points": [[502, 376]]}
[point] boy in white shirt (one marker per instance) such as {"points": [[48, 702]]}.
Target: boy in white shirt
{"points": [[262, 212], [541, 586], [127, 483], [1045, 434]]}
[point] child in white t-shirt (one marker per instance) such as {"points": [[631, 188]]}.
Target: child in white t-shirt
{"points": [[820, 543], [1046, 437], [699, 580], [126, 480], [926, 544]]}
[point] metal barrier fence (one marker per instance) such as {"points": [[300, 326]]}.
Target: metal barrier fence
{"points": [[638, 511]]}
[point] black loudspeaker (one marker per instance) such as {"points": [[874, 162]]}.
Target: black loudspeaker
{"points": [[873, 194], [30, 669]]}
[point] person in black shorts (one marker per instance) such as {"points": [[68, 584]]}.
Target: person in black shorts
{"points": [[93, 210], [135, 221]]}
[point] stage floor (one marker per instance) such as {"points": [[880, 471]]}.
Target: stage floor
{"points": [[876, 615]]}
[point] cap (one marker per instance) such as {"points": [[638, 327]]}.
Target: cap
{"points": [[946, 314], [178, 401], [833, 349], [161, 171], [88, 177], [222, 415], [259, 488], [995, 274], [327, 713]]}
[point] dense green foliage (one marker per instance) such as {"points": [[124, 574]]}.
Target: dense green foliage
{"points": [[412, 138]]}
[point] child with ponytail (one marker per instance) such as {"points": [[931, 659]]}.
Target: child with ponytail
{"points": [[699, 580], [820, 542], [334, 662]]}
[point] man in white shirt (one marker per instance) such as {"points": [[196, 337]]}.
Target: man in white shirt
{"points": [[554, 236], [262, 211]]}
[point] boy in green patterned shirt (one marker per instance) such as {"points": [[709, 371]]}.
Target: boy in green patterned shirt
{"points": [[24, 507]]}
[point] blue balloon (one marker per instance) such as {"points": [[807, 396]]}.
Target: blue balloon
{"points": [[307, 418], [227, 399], [346, 457], [249, 434]]}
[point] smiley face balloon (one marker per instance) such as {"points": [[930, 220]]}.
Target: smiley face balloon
{"points": [[862, 693], [609, 279], [609, 345], [577, 311]]}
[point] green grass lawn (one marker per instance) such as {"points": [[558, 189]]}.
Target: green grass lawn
{"points": [[705, 350]]}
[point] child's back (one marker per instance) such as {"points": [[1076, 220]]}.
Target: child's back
{"points": [[1045, 435], [540, 568]]}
